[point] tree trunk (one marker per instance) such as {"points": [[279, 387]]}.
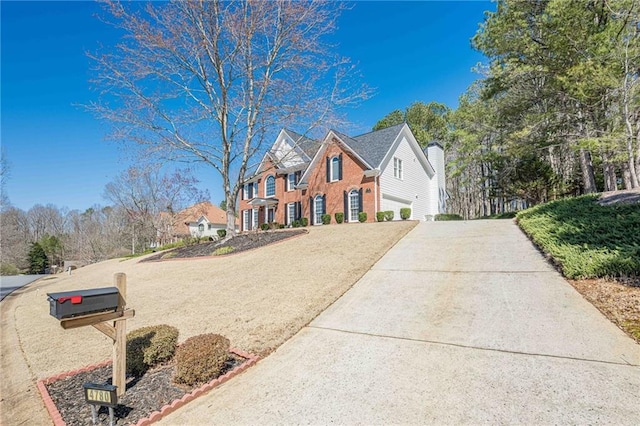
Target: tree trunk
{"points": [[586, 167], [609, 172], [626, 176], [231, 215]]}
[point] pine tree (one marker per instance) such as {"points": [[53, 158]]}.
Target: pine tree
{"points": [[38, 261]]}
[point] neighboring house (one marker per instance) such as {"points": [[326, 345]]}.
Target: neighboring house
{"points": [[201, 220], [382, 170]]}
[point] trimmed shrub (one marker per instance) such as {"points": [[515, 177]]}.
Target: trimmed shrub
{"points": [[222, 250], [339, 217], [326, 219], [362, 217], [150, 346], [264, 226], [295, 224], [281, 226], [304, 221], [388, 215], [447, 216], [201, 358], [405, 213], [380, 216], [222, 233]]}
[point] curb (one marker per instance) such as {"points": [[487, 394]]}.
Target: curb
{"points": [[56, 417]]}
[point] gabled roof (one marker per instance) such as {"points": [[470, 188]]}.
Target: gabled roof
{"points": [[370, 148], [345, 141], [373, 146], [303, 144], [193, 214]]}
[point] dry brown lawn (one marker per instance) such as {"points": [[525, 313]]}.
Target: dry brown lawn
{"points": [[258, 299]]}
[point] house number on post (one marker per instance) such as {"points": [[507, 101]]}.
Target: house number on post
{"points": [[105, 310], [98, 395]]}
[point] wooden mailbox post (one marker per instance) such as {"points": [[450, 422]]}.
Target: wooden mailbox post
{"points": [[113, 325]]}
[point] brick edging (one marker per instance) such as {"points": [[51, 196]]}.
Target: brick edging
{"points": [[56, 417], [48, 402]]}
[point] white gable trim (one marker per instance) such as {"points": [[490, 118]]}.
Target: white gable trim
{"points": [[415, 147], [296, 146], [323, 148]]}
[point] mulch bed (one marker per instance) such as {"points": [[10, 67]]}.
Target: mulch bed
{"points": [[237, 244], [617, 299], [145, 394]]}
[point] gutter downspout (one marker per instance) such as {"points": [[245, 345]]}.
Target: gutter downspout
{"points": [[375, 191]]}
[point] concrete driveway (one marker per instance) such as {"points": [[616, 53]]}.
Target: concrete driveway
{"points": [[460, 322]]}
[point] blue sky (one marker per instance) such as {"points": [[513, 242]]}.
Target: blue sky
{"points": [[57, 152]]}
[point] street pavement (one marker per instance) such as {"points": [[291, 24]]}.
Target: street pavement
{"points": [[9, 284], [459, 323]]}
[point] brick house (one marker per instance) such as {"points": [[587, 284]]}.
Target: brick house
{"points": [[377, 171]]}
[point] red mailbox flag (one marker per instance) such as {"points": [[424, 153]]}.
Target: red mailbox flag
{"points": [[74, 299]]}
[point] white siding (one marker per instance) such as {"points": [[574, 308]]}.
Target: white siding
{"points": [[413, 190], [436, 158], [213, 232], [283, 150]]}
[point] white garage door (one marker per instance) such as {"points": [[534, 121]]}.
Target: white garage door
{"points": [[395, 204]]}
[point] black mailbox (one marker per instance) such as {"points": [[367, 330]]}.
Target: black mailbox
{"points": [[69, 304]]}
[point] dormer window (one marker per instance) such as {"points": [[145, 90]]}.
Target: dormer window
{"points": [[270, 186]]}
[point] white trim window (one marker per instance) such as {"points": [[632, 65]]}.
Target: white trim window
{"points": [[270, 186], [245, 191], [255, 219], [291, 181], [354, 205], [397, 168], [318, 209], [246, 220], [335, 169], [291, 213]]}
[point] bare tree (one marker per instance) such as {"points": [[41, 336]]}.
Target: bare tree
{"points": [[149, 197], [14, 237], [4, 175], [210, 81]]}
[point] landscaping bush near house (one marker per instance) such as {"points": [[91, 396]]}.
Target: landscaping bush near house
{"points": [[388, 215], [585, 239], [339, 217], [150, 346], [221, 233], [362, 217], [295, 224], [448, 216], [405, 213], [201, 358], [304, 221], [222, 250], [264, 226], [380, 216], [326, 219]]}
